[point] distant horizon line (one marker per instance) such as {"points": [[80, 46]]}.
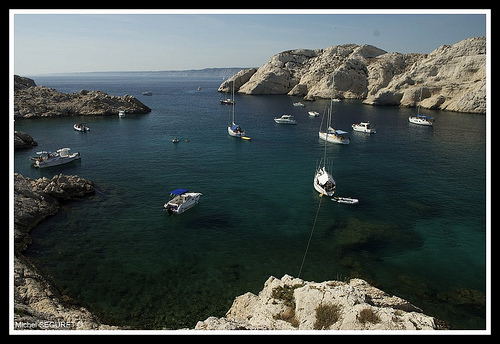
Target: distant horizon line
{"points": [[192, 70]]}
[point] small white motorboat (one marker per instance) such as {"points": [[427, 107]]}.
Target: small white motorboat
{"points": [[121, 113], [364, 127], [49, 159], [180, 201], [285, 119], [227, 101], [346, 200], [81, 127], [313, 113], [147, 93], [298, 104]]}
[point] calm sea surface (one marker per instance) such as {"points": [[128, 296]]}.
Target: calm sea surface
{"points": [[419, 231]]}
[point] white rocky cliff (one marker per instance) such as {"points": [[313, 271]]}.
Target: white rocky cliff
{"points": [[452, 77], [294, 304]]}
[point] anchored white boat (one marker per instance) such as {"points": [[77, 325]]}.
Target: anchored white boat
{"points": [[331, 134], [180, 201], [298, 104], [81, 127], [285, 119], [324, 182], [421, 119], [364, 127], [346, 200], [334, 136], [313, 113], [49, 159], [121, 113], [234, 129]]}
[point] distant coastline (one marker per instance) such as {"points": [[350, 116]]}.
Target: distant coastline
{"points": [[205, 72]]}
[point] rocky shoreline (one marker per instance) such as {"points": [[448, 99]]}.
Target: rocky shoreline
{"points": [[31, 101], [452, 77], [38, 305]]}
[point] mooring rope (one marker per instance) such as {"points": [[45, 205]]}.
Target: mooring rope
{"points": [[310, 236]]}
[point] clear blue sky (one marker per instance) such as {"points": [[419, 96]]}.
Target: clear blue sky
{"points": [[79, 42]]}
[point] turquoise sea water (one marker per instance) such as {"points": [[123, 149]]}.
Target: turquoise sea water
{"points": [[419, 231]]}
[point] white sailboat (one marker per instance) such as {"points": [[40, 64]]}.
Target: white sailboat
{"points": [[330, 134], [421, 119], [234, 129], [323, 180]]}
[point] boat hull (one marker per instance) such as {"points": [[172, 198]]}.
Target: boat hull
{"points": [[332, 138], [181, 203], [346, 200], [420, 121], [324, 182], [363, 129], [233, 133], [80, 127], [285, 121], [57, 161]]}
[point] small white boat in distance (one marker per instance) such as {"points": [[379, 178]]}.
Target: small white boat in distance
{"points": [[421, 120], [49, 159], [364, 127], [346, 200], [285, 119], [313, 113], [227, 101], [121, 113], [298, 104], [180, 201], [81, 127]]}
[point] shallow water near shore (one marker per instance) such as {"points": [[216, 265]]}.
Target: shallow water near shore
{"points": [[419, 231]]}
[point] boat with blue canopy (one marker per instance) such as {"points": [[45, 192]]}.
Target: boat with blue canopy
{"points": [[180, 201]]}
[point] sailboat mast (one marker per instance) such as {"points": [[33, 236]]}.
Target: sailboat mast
{"points": [[232, 100], [329, 119], [419, 101]]}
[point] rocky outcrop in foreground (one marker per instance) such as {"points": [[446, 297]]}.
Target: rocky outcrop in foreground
{"points": [[31, 101], [294, 304], [37, 303], [35, 199], [452, 77], [23, 140]]}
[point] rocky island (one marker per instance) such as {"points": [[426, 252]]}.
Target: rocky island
{"points": [[31, 101], [452, 77]]}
